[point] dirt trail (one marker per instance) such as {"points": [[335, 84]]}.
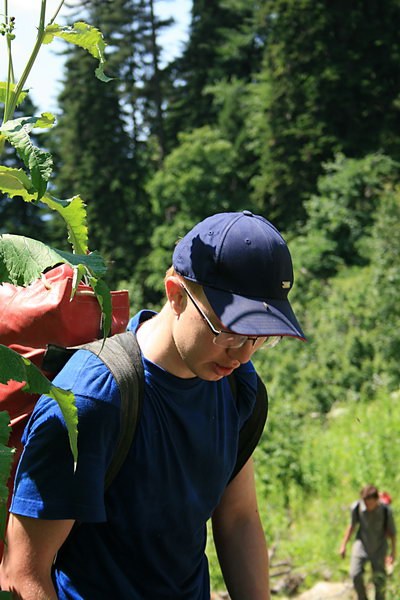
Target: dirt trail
{"points": [[328, 591], [321, 591]]}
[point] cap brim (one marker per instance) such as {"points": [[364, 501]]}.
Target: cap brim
{"points": [[254, 316]]}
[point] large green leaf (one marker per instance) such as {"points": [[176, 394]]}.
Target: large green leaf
{"points": [[83, 35], [15, 182], [3, 92], [39, 162], [73, 211], [4, 427], [103, 296], [15, 367], [22, 260]]}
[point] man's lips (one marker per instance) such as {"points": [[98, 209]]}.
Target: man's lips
{"points": [[223, 371]]}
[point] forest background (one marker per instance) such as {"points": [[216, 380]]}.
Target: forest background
{"points": [[289, 108]]}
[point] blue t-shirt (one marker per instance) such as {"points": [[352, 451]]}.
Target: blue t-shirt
{"points": [[144, 537]]}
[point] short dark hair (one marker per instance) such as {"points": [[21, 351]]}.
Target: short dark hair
{"points": [[369, 491]]}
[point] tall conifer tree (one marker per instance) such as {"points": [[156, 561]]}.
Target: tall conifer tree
{"points": [[331, 83], [222, 46]]}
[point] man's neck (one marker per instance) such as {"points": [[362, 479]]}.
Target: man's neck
{"points": [[157, 344]]}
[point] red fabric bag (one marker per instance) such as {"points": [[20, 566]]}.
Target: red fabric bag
{"points": [[43, 313]]}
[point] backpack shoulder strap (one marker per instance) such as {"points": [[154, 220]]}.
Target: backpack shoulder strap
{"points": [[385, 517], [251, 431], [356, 511], [121, 354]]}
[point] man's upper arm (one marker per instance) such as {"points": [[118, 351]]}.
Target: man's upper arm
{"points": [[30, 549], [239, 539], [239, 498]]}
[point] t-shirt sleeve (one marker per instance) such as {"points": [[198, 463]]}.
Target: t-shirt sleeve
{"points": [[46, 484]]}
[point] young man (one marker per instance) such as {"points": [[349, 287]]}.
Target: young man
{"points": [[144, 537], [375, 524]]}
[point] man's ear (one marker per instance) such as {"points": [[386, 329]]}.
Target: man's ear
{"points": [[175, 294]]}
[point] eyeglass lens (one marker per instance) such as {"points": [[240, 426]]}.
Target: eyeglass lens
{"points": [[235, 340]]}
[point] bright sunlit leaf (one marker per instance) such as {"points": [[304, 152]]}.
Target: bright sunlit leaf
{"points": [[103, 296], [83, 35], [73, 211], [15, 182], [3, 92], [39, 162]]}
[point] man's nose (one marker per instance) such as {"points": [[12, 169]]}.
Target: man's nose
{"points": [[244, 353]]}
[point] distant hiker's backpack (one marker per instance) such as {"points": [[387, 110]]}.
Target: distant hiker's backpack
{"points": [[385, 498]]}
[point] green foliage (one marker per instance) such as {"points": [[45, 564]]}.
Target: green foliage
{"points": [[197, 176], [326, 93], [5, 89], [197, 179], [38, 162], [15, 367], [32, 185], [385, 283], [223, 43], [83, 35], [17, 215], [355, 445], [22, 260], [350, 313], [338, 454], [340, 217]]}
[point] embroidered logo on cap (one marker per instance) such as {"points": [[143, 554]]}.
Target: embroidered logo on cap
{"points": [[286, 285]]}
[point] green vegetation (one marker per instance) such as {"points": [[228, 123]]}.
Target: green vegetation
{"points": [[354, 444]]}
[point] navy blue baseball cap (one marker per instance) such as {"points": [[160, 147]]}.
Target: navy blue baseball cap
{"points": [[245, 268]]}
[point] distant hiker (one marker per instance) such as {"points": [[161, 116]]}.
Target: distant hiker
{"points": [[375, 523], [144, 537]]}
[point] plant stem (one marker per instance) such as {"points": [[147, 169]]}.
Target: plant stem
{"points": [[10, 108], [56, 13], [9, 71]]}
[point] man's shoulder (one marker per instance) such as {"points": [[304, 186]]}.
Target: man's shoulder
{"points": [[86, 375]]}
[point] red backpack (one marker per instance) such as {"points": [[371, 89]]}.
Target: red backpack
{"points": [[40, 314]]}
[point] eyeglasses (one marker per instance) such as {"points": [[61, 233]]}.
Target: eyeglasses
{"points": [[227, 339]]}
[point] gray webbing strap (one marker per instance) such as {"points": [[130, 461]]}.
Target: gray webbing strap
{"points": [[121, 354]]}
